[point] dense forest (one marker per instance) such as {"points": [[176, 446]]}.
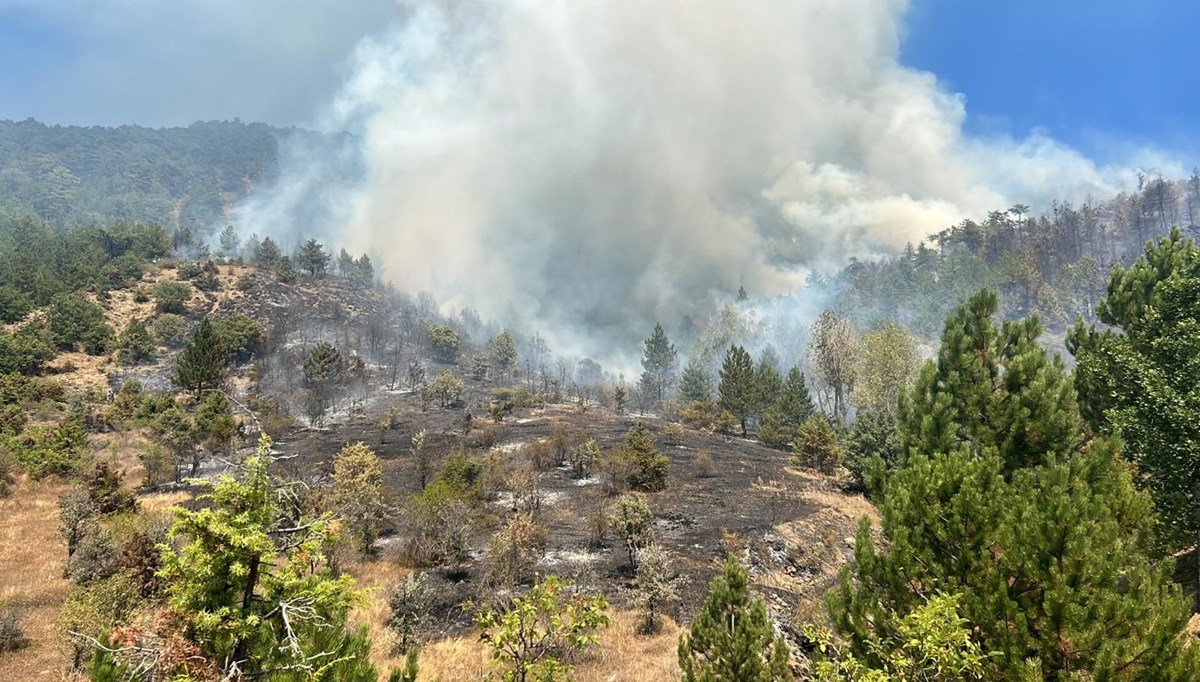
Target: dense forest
{"points": [[176, 177], [223, 459]]}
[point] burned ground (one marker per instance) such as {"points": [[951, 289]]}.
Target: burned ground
{"points": [[793, 528]]}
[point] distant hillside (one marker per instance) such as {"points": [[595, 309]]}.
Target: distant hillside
{"points": [[191, 176]]}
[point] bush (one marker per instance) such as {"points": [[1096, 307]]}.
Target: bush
{"points": [[444, 342], [708, 416], [12, 630], [96, 554], [649, 465], [409, 604], [817, 446], [515, 548], [704, 465], [105, 489], [14, 305], [74, 320], [8, 467], [25, 352], [94, 610], [135, 345], [531, 637], [242, 337], [171, 297], [634, 523], [873, 438], [673, 433], [46, 450], [169, 329]]}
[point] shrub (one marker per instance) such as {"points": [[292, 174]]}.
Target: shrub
{"points": [[96, 554], [14, 305], [649, 465], [169, 329], [817, 446], [94, 610], [25, 352], [74, 320], [135, 345], [616, 467], [105, 490], [409, 603], [8, 466], [530, 638], [444, 342], [446, 389], [656, 585], [583, 457], [708, 416], [732, 637], [241, 337], [141, 295], [12, 630], [515, 548], [141, 559], [171, 297], [46, 450], [673, 433], [634, 523], [704, 465]]}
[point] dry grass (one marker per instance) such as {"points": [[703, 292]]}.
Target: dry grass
{"points": [[853, 507], [623, 654], [31, 567], [86, 373]]}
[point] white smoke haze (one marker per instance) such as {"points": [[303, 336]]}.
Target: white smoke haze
{"points": [[588, 167]]}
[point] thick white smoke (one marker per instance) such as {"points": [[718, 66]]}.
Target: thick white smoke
{"points": [[591, 166]]}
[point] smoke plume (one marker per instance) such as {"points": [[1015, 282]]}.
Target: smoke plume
{"points": [[587, 167]]}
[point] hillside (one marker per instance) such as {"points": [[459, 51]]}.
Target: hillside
{"points": [[176, 177]]}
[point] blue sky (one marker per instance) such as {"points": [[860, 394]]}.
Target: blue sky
{"points": [[1099, 75]]}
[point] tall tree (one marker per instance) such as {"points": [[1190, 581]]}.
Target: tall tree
{"points": [[833, 354], [888, 361], [1141, 377], [504, 353], [201, 361], [1003, 499], [658, 361], [313, 258], [229, 242], [737, 388], [322, 371]]}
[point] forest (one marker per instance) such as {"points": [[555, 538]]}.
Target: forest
{"points": [[232, 457]]}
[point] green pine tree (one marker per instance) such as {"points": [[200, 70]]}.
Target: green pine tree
{"points": [[658, 361], [649, 465], [696, 383], [245, 575], [732, 637], [737, 389], [1140, 378], [768, 387], [1002, 498], [201, 362], [313, 258]]}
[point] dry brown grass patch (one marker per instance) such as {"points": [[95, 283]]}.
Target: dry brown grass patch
{"points": [[31, 575]]}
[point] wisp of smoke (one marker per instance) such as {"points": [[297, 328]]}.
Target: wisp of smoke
{"points": [[587, 167]]}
